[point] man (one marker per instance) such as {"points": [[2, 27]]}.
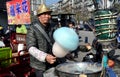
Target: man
{"points": [[98, 47], [72, 26], [41, 57]]}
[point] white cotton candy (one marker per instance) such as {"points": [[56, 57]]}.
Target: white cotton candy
{"points": [[58, 51]]}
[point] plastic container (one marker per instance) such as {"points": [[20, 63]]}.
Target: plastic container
{"points": [[5, 53], [105, 25]]}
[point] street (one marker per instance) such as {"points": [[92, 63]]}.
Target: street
{"points": [[91, 36]]}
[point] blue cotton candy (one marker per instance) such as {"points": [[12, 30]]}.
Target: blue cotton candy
{"points": [[67, 38]]}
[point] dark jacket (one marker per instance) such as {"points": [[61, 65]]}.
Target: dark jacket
{"points": [[36, 39]]}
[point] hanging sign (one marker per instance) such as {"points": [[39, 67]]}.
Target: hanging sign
{"points": [[18, 12]]}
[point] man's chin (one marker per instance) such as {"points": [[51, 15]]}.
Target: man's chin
{"points": [[46, 22]]}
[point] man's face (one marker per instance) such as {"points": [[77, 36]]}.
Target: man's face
{"points": [[44, 18], [71, 25]]}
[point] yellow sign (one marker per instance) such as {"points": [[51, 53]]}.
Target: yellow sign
{"points": [[18, 12]]}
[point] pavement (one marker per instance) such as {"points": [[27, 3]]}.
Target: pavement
{"points": [[91, 36], [84, 34]]}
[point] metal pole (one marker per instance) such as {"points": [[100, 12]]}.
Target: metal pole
{"points": [[95, 4]]}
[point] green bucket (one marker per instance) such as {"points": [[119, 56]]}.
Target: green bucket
{"points": [[105, 25], [5, 53]]}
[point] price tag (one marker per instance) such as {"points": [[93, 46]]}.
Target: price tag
{"points": [[82, 75]]}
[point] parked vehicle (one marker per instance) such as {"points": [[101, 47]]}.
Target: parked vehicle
{"points": [[63, 18]]}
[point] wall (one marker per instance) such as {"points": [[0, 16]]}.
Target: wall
{"points": [[3, 20]]}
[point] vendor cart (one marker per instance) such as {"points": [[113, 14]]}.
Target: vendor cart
{"points": [[12, 63]]}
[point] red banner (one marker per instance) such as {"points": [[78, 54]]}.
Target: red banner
{"points": [[18, 12]]}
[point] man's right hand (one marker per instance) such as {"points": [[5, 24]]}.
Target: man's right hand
{"points": [[50, 59]]}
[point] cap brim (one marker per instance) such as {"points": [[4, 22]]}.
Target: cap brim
{"points": [[44, 12]]}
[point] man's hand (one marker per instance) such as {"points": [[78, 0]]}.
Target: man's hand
{"points": [[50, 59]]}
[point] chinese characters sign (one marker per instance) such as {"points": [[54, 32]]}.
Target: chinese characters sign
{"points": [[18, 12]]}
